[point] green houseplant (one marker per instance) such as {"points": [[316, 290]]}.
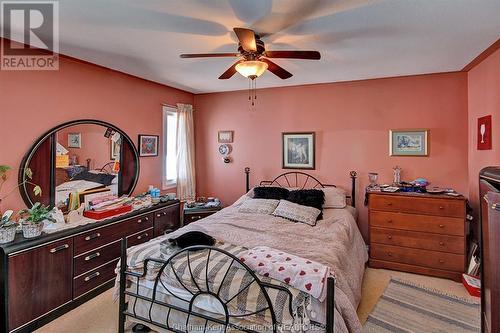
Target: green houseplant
{"points": [[33, 219], [7, 226]]}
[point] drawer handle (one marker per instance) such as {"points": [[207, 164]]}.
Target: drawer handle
{"points": [[59, 248], [389, 236], [441, 261], [389, 204], [141, 236], [389, 221], [441, 226], [92, 276], [139, 221], [197, 217], [441, 243], [93, 236], [389, 254], [92, 256], [146, 218], [441, 207]]}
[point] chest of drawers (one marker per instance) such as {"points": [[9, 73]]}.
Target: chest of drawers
{"points": [[418, 233], [45, 277]]}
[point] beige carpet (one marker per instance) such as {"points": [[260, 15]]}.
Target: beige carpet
{"points": [[101, 314]]}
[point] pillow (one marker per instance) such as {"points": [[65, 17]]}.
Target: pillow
{"points": [[258, 206], [270, 192], [297, 213], [101, 178], [311, 198], [334, 197]]}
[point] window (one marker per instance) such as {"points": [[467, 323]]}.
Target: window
{"points": [[169, 146]]}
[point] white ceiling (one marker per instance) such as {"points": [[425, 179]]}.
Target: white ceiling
{"points": [[358, 39]]}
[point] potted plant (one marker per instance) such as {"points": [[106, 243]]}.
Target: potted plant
{"points": [[33, 219], [8, 226]]}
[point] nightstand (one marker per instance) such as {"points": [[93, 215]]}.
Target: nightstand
{"points": [[197, 213]]}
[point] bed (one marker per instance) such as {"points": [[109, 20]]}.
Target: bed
{"points": [[171, 290]]}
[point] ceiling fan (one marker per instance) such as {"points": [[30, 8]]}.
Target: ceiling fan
{"points": [[254, 59]]}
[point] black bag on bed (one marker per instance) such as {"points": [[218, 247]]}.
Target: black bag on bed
{"points": [[192, 238]]}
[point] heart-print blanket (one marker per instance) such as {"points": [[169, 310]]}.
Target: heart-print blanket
{"points": [[300, 273]]}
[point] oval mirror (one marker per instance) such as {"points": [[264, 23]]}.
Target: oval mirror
{"points": [[78, 156]]}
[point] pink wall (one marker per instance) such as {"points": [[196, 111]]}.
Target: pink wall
{"points": [[351, 121], [32, 102], [484, 99]]}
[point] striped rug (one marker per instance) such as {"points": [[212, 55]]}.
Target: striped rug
{"points": [[405, 307]]}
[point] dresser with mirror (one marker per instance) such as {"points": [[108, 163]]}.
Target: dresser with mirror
{"points": [[44, 277]]}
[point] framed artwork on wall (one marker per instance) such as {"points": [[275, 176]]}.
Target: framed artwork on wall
{"points": [[114, 150], [298, 150], [225, 136], [409, 142], [75, 140], [484, 133], [148, 145]]}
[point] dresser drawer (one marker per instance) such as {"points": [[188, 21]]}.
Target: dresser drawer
{"points": [[416, 205], [432, 259], [418, 240], [94, 278], [140, 237], [166, 220], [95, 258], [192, 217], [433, 224], [105, 235]]}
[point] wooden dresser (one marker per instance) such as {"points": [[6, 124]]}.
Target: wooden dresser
{"points": [[44, 277], [418, 233]]}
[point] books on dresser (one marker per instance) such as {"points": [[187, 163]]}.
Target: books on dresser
{"points": [[418, 233]]}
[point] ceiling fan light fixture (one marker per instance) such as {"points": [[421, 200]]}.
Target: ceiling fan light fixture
{"points": [[251, 68]]}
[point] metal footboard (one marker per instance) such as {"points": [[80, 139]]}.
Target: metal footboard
{"points": [[128, 309]]}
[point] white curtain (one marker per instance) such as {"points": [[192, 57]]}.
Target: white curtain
{"points": [[186, 181]]}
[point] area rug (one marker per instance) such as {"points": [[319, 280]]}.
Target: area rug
{"points": [[406, 307]]}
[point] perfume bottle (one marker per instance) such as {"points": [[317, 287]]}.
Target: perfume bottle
{"points": [[396, 176]]}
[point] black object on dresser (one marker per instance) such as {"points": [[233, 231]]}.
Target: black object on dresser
{"points": [[46, 277], [489, 196], [197, 213]]}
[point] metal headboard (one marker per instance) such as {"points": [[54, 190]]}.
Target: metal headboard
{"points": [[302, 180]]}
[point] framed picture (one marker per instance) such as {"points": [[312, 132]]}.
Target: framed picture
{"points": [[225, 136], [298, 150], [410, 142], [75, 140], [114, 149], [148, 145], [484, 133]]}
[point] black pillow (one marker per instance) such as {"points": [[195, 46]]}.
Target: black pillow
{"points": [[311, 198], [269, 192], [192, 238], [101, 178]]}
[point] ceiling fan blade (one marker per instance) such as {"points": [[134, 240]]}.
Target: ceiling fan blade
{"points": [[247, 39], [209, 55], [310, 55], [229, 72], [277, 70]]}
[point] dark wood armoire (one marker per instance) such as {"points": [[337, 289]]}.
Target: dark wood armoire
{"points": [[489, 195]]}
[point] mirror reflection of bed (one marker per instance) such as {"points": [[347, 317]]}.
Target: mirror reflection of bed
{"points": [[85, 161], [77, 157]]}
